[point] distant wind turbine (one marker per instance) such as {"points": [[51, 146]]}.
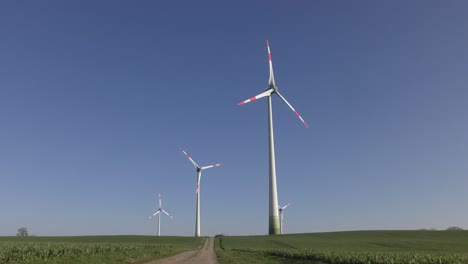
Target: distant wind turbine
{"points": [[199, 171], [158, 212], [281, 212], [274, 223]]}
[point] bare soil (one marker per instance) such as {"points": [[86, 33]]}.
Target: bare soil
{"points": [[206, 255]]}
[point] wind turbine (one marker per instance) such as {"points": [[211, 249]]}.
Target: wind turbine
{"points": [[281, 209], [158, 212], [199, 171], [274, 223]]}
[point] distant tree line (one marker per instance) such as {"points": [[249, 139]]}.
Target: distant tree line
{"points": [[452, 228]]}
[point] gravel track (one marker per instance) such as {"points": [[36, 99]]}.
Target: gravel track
{"points": [[206, 255]]}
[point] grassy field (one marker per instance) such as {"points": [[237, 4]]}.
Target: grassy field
{"points": [[93, 249], [347, 247]]}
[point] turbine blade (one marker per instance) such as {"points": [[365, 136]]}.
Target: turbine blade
{"points": [[188, 156], [271, 81], [211, 166], [151, 216], [292, 108], [266, 93], [286, 206], [160, 200], [168, 214]]}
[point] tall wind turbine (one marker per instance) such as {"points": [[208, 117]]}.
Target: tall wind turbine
{"points": [[199, 171], [281, 211], [158, 212], [274, 223]]}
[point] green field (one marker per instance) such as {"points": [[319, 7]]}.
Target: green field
{"points": [[337, 247], [347, 247], [93, 249]]}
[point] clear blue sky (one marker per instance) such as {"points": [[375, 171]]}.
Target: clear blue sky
{"points": [[97, 97]]}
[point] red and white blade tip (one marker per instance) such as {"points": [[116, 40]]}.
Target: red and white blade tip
{"points": [[247, 101], [186, 154], [211, 166], [269, 53], [303, 121], [258, 96], [168, 214]]}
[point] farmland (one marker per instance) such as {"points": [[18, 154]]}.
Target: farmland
{"points": [[347, 247], [93, 249], [370, 247]]}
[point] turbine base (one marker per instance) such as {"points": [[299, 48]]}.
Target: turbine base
{"points": [[274, 225]]}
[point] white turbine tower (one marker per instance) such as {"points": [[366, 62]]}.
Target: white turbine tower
{"points": [[199, 171], [281, 212], [274, 223], [158, 212]]}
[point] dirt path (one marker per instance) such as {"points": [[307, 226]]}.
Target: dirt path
{"points": [[206, 255]]}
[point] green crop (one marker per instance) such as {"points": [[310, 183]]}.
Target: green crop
{"points": [[110, 249], [343, 257], [359, 247]]}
